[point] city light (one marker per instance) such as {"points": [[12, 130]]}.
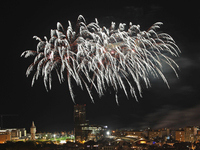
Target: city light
{"points": [[105, 127], [54, 137], [108, 133], [62, 141], [143, 142]]}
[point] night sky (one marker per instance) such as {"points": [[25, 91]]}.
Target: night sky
{"points": [[53, 111]]}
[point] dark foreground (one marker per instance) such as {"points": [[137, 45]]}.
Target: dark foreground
{"points": [[49, 145]]}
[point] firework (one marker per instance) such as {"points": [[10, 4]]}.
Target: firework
{"points": [[98, 57]]}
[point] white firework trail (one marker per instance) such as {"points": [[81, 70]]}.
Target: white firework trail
{"points": [[98, 57]]}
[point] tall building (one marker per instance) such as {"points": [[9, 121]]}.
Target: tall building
{"points": [[82, 130], [180, 135], [190, 133], [79, 122], [33, 131]]}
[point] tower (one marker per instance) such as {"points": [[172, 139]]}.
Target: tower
{"points": [[79, 122], [33, 131], [79, 114]]}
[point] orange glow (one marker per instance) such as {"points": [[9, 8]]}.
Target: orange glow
{"points": [[82, 141], [143, 142]]}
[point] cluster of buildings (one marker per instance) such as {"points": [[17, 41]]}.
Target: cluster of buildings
{"points": [[19, 134], [99, 135], [130, 139], [83, 131], [187, 134]]}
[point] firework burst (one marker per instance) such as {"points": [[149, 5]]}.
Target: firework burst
{"points": [[98, 57]]}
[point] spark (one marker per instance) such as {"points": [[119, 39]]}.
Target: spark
{"points": [[98, 57]]}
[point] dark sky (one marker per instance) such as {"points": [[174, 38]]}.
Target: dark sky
{"points": [[53, 111]]}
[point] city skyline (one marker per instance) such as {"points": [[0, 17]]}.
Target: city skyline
{"points": [[53, 110], [83, 133]]}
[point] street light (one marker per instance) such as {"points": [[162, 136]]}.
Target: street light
{"points": [[108, 133]]}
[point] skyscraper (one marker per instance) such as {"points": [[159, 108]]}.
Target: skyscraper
{"points": [[79, 122]]}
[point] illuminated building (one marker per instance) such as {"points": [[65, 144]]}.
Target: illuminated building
{"points": [[33, 131], [136, 134], [83, 131], [12, 134], [153, 134], [180, 135], [17, 134], [79, 122], [190, 133], [164, 133], [5, 135], [197, 137], [94, 131]]}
